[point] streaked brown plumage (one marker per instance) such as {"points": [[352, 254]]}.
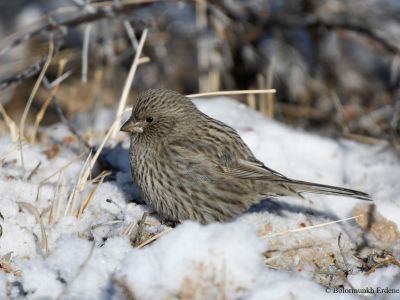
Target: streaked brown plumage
{"points": [[191, 166]]}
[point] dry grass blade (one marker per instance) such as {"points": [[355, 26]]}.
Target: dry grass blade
{"points": [[12, 127], [154, 237], [34, 170], [251, 101], [129, 79], [62, 168], [55, 204], [33, 210], [227, 93], [89, 198], [82, 179], [135, 240], [268, 106], [40, 115], [56, 172], [31, 97], [90, 166], [87, 168], [309, 227], [128, 230]]}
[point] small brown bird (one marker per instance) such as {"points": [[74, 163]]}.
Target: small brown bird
{"points": [[191, 166]]}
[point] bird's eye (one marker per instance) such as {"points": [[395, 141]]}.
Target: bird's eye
{"points": [[149, 119]]}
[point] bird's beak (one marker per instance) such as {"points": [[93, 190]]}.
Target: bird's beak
{"points": [[132, 127]]}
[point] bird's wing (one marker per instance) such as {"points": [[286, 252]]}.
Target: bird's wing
{"points": [[216, 164], [251, 170], [191, 164]]}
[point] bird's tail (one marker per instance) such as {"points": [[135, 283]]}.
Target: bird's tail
{"points": [[300, 187]]}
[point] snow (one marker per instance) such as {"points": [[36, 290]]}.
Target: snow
{"points": [[93, 256]]}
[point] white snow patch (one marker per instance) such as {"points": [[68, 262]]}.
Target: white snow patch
{"points": [[192, 260]]}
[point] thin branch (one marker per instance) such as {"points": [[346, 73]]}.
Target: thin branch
{"points": [[27, 73], [129, 79], [85, 52], [131, 34]]}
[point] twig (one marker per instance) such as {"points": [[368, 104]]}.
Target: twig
{"points": [[60, 79], [31, 97], [129, 79], [27, 73], [131, 34], [85, 52]]}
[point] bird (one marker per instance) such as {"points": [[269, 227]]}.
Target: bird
{"points": [[189, 166]]}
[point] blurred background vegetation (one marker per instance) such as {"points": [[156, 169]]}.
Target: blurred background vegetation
{"points": [[335, 63]]}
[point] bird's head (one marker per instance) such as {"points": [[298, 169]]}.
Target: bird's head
{"points": [[160, 112]]}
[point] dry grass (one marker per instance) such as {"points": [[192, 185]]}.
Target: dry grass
{"points": [[42, 111], [289, 231], [154, 237], [31, 97], [12, 127], [128, 82], [34, 211]]}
